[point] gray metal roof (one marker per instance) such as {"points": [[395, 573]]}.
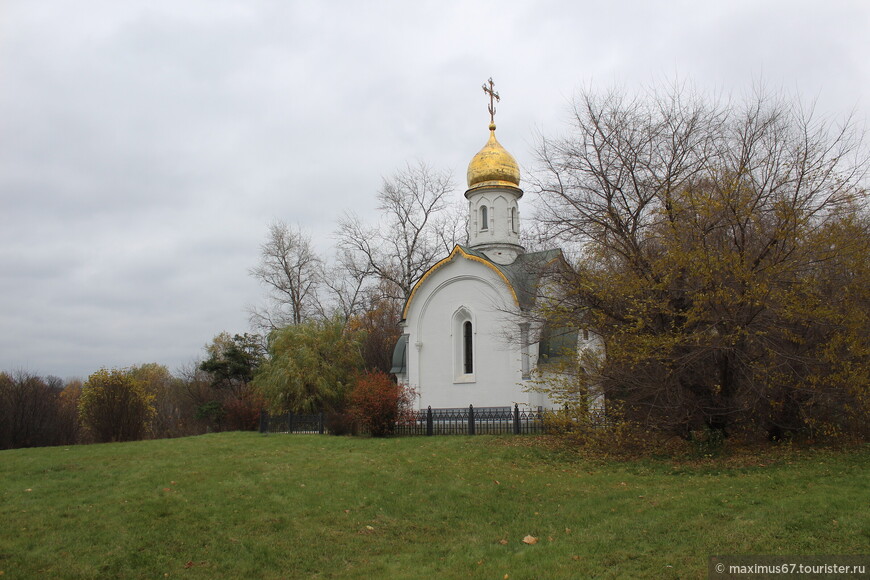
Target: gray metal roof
{"points": [[525, 273]]}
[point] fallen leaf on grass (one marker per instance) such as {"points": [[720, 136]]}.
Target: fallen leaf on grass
{"points": [[530, 540], [503, 542]]}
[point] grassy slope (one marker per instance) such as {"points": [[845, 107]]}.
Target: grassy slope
{"points": [[243, 505]]}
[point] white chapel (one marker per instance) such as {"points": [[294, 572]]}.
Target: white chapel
{"points": [[465, 338]]}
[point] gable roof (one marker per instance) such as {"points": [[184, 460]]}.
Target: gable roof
{"points": [[522, 276]]}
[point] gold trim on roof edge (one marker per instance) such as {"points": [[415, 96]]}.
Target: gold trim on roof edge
{"points": [[457, 250]]}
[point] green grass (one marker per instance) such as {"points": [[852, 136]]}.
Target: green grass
{"points": [[242, 505]]}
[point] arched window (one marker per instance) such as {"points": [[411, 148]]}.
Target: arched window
{"points": [[514, 220], [463, 331], [484, 219], [468, 348]]}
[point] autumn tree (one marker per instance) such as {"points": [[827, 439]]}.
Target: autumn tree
{"points": [[310, 367], [115, 406], [721, 259], [173, 410], [291, 271], [378, 330], [68, 425]]}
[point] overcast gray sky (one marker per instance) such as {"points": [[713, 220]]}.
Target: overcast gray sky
{"points": [[145, 146]]}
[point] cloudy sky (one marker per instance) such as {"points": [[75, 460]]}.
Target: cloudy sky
{"points": [[146, 145]]}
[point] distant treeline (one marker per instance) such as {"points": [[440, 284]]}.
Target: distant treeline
{"points": [[145, 401]]}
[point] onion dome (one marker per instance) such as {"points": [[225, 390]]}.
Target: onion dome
{"points": [[493, 166]]}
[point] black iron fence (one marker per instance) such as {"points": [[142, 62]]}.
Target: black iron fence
{"points": [[292, 423], [459, 421], [473, 421]]}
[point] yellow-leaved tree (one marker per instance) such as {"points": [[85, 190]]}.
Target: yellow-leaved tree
{"points": [[721, 260], [115, 406]]}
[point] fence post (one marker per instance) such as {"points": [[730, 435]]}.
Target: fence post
{"points": [[517, 428], [429, 430], [471, 419], [321, 422], [290, 421]]}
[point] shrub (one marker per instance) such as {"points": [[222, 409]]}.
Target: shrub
{"points": [[340, 423], [114, 406], [377, 402], [243, 414]]}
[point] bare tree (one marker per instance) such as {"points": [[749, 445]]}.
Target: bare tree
{"points": [[345, 286], [417, 228], [291, 272], [28, 410]]}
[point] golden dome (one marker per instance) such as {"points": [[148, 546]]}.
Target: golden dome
{"points": [[493, 165]]}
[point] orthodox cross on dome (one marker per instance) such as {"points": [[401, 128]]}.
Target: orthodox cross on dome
{"points": [[493, 98]]}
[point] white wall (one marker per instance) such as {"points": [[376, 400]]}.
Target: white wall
{"points": [[432, 365]]}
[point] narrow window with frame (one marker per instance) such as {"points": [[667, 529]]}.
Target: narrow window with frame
{"points": [[484, 220]]}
